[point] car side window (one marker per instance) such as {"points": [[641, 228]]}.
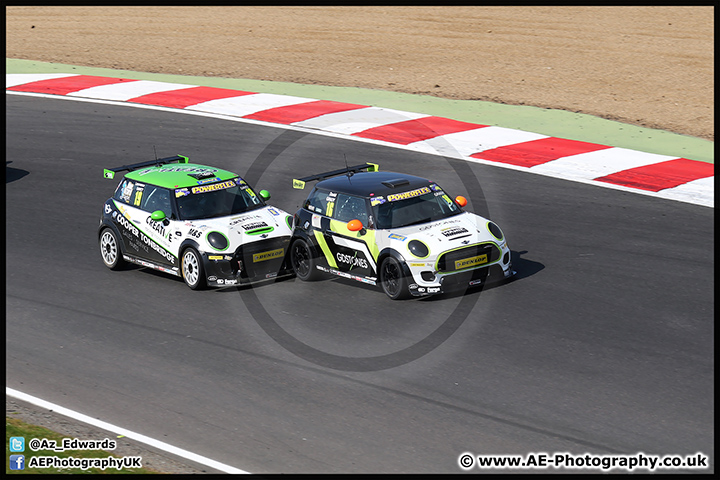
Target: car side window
{"points": [[349, 208], [129, 192], [156, 198], [317, 202]]}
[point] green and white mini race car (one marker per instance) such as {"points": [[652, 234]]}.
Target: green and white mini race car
{"points": [[200, 223], [399, 231]]}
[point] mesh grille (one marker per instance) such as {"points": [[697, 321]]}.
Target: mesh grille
{"points": [[261, 258], [468, 257]]}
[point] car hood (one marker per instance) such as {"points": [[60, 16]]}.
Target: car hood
{"points": [[454, 232], [260, 224]]}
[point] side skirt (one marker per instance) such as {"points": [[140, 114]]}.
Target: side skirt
{"points": [[359, 278], [173, 271]]}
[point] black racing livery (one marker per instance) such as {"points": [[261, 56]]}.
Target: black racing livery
{"points": [[395, 230]]}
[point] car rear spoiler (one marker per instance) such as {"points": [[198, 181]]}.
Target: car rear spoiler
{"points": [[370, 167], [110, 172]]}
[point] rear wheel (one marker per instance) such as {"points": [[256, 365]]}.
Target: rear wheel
{"points": [[192, 269], [110, 250], [392, 280], [302, 261]]}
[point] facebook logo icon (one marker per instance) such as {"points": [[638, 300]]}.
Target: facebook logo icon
{"points": [[17, 462]]}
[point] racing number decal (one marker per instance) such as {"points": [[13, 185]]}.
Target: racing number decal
{"points": [[330, 204]]}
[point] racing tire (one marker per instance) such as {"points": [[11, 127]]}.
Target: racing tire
{"points": [[392, 280], [302, 262], [193, 271], [110, 249]]}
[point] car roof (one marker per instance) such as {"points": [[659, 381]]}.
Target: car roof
{"points": [[180, 175], [366, 184]]}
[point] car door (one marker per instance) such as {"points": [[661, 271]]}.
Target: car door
{"points": [[354, 252], [140, 237]]}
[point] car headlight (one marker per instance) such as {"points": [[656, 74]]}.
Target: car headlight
{"points": [[418, 248], [495, 230], [217, 240]]}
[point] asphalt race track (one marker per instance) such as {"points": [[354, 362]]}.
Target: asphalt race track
{"points": [[602, 344]]}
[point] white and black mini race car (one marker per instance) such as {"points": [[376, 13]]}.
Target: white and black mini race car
{"points": [[201, 223], [399, 231]]}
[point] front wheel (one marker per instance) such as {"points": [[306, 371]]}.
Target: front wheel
{"points": [[192, 269], [392, 280], [302, 261], [110, 250]]}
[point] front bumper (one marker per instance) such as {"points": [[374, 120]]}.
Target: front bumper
{"points": [[250, 263], [499, 269]]}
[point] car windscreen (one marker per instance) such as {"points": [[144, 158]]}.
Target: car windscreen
{"points": [[219, 199], [414, 207]]}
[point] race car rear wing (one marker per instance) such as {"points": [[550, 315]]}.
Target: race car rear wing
{"points": [[370, 167], [110, 172]]}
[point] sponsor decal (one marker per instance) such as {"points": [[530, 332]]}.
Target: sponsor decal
{"points": [[144, 238], [395, 236], [405, 195], [261, 257], [127, 189], [377, 201], [215, 257], [254, 225], [453, 231], [243, 218], [208, 180], [202, 171], [181, 192], [157, 226], [352, 261], [470, 262], [213, 188]]}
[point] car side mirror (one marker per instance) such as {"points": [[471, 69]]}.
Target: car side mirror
{"points": [[264, 194], [158, 215], [356, 226], [460, 200]]}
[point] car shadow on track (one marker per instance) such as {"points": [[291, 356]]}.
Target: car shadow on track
{"points": [[524, 268], [12, 174]]}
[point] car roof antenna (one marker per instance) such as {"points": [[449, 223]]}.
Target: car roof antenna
{"points": [[349, 173]]}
